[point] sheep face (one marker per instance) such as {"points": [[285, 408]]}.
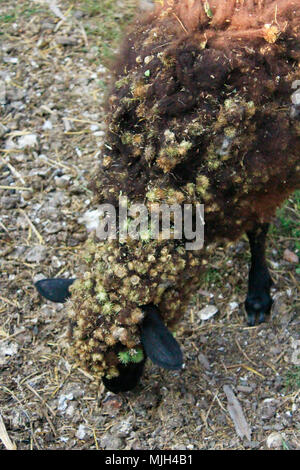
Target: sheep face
{"points": [[156, 342]]}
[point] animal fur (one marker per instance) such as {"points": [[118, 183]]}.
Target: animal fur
{"points": [[200, 110]]}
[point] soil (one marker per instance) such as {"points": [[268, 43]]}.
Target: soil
{"points": [[53, 76]]}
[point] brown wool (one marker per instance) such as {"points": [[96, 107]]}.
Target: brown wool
{"points": [[200, 110]]}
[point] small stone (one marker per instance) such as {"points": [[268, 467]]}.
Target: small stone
{"points": [[296, 98], [295, 357], [63, 401], [91, 219], [233, 305], [123, 428], [27, 195], [62, 181], [6, 350], [112, 405], [67, 124], [81, 432], [56, 262], [53, 227], [37, 254], [268, 408], [29, 140], [9, 202], [111, 442], [208, 312], [274, 440], [290, 256], [203, 361], [10, 60], [16, 105], [99, 134], [66, 41], [295, 84], [244, 389], [47, 125]]}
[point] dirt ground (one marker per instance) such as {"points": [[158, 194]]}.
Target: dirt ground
{"points": [[53, 76]]}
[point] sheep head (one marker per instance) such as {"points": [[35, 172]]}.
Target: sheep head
{"points": [[157, 341]]}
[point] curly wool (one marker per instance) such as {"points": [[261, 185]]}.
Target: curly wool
{"points": [[118, 280], [191, 119]]}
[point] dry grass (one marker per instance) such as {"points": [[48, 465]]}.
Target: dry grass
{"points": [[55, 82]]}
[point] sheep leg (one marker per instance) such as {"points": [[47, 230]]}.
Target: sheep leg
{"points": [[258, 302]]}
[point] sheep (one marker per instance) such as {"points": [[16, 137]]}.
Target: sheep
{"points": [[204, 107]]}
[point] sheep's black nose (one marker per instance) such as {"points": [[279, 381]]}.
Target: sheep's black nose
{"points": [[128, 379]]}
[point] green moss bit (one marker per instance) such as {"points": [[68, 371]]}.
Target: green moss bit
{"points": [[202, 183], [195, 128], [168, 61], [146, 236], [131, 355], [122, 82], [112, 372], [107, 308], [213, 158], [101, 294], [207, 10], [171, 155]]}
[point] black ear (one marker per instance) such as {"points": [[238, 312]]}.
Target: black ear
{"points": [[56, 290], [159, 344]]}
